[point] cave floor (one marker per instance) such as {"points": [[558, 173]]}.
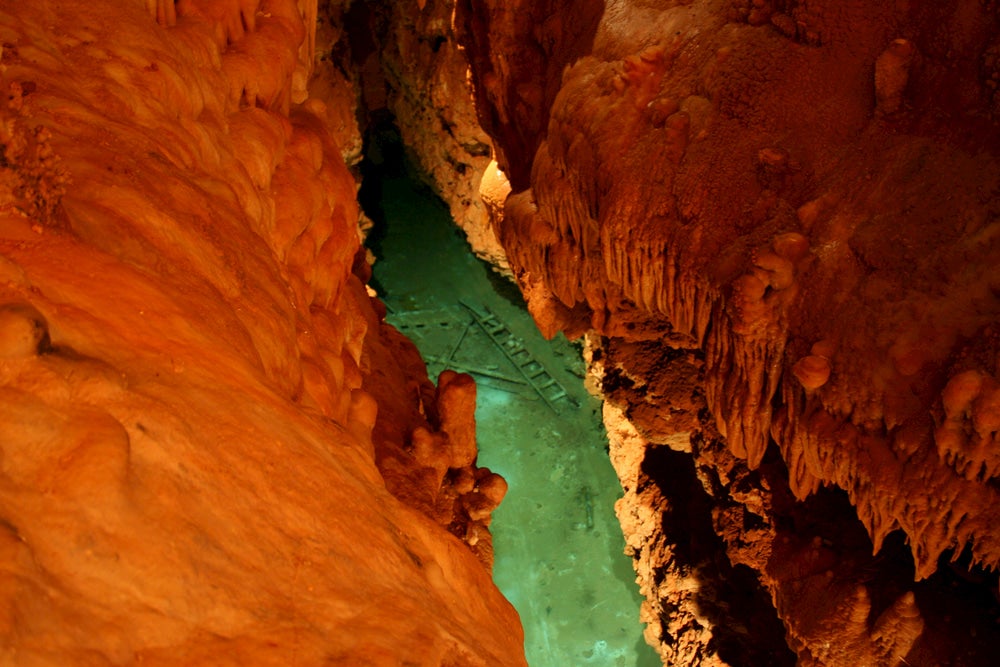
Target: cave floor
{"points": [[558, 545]]}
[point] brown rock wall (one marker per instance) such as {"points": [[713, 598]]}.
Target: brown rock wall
{"points": [[803, 197]]}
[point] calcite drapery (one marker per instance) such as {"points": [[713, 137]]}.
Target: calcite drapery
{"points": [[192, 370], [803, 197]]}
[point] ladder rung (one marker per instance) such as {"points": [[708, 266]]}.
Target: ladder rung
{"points": [[533, 371]]}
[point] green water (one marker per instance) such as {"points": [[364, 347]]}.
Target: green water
{"points": [[558, 545]]}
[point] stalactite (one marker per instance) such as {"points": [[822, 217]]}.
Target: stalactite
{"points": [[704, 208]]}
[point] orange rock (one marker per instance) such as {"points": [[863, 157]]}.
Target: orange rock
{"points": [[812, 372], [195, 437], [639, 223]]}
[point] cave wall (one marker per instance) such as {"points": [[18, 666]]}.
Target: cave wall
{"points": [[413, 76], [214, 450], [777, 221]]}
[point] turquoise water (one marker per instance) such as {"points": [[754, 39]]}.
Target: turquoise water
{"points": [[558, 545]]}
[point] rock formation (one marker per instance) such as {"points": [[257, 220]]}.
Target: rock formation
{"points": [[775, 221], [779, 220], [213, 449], [413, 75]]}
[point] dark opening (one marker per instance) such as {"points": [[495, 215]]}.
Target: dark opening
{"points": [[746, 630]]}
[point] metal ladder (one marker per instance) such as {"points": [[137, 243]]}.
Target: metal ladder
{"points": [[534, 373]]}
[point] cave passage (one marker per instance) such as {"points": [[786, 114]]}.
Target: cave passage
{"points": [[558, 545]]}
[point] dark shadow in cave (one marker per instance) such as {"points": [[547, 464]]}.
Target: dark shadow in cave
{"points": [[959, 603], [746, 630], [963, 602], [383, 158], [504, 287]]}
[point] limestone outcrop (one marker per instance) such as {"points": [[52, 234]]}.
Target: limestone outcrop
{"points": [[214, 450], [779, 221]]}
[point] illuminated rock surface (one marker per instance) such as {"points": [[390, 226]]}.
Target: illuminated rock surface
{"points": [[781, 220], [195, 386], [776, 219]]}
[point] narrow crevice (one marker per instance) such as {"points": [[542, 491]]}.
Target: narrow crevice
{"points": [[557, 543], [746, 630]]}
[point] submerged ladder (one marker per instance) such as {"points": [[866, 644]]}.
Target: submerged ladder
{"points": [[421, 326], [534, 373]]}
